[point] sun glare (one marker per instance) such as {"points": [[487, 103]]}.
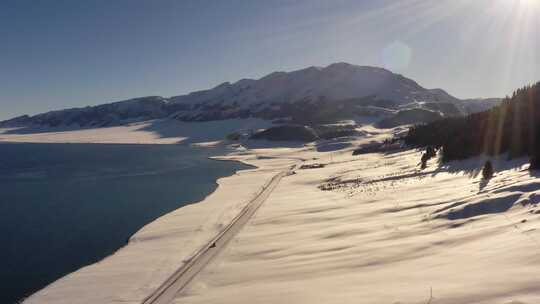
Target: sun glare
{"points": [[529, 2]]}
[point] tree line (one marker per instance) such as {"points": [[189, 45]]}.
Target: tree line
{"points": [[512, 127]]}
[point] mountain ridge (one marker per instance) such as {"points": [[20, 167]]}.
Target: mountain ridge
{"points": [[275, 95]]}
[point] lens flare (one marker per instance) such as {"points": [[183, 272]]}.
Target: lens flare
{"points": [[528, 3], [396, 56]]}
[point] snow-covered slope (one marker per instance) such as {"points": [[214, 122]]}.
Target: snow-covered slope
{"points": [[111, 114], [336, 82], [384, 231], [370, 228], [280, 94], [479, 104]]}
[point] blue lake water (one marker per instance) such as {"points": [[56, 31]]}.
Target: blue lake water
{"points": [[63, 206]]}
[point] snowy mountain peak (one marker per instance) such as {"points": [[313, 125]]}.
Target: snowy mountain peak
{"points": [[278, 94], [335, 81]]}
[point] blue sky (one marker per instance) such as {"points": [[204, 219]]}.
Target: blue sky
{"points": [[64, 53]]}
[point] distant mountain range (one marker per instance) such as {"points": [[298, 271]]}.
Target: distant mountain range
{"points": [[311, 95]]}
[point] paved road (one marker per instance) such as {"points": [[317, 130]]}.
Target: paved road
{"points": [[181, 278]]}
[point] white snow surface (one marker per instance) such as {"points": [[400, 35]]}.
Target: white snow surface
{"points": [[379, 239], [381, 235], [157, 250], [161, 131]]}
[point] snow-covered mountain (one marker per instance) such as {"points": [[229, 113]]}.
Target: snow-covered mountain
{"points": [[336, 82], [309, 94], [116, 113]]}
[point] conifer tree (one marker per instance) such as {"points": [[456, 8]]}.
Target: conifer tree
{"points": [[487, 171]]}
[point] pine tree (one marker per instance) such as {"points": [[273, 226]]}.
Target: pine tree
{"points": [[487, 171], [424, 160]]}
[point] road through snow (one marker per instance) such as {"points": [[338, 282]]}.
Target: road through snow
{"points": [[181, 278]]}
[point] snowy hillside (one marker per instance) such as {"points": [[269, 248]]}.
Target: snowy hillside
{"points": [[336, 81], [368, 228], [111, 114], [336, 91]]}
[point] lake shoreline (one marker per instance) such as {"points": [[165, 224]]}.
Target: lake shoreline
{"points": [[215, 210], [42, 170]]}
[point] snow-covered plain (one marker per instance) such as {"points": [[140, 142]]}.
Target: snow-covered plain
{"points": [[131, 134], [158, 249], [160, 131], [391, 234], [382, 231]]}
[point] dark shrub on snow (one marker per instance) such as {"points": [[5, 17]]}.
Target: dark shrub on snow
{"points": [[487, 171]]}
